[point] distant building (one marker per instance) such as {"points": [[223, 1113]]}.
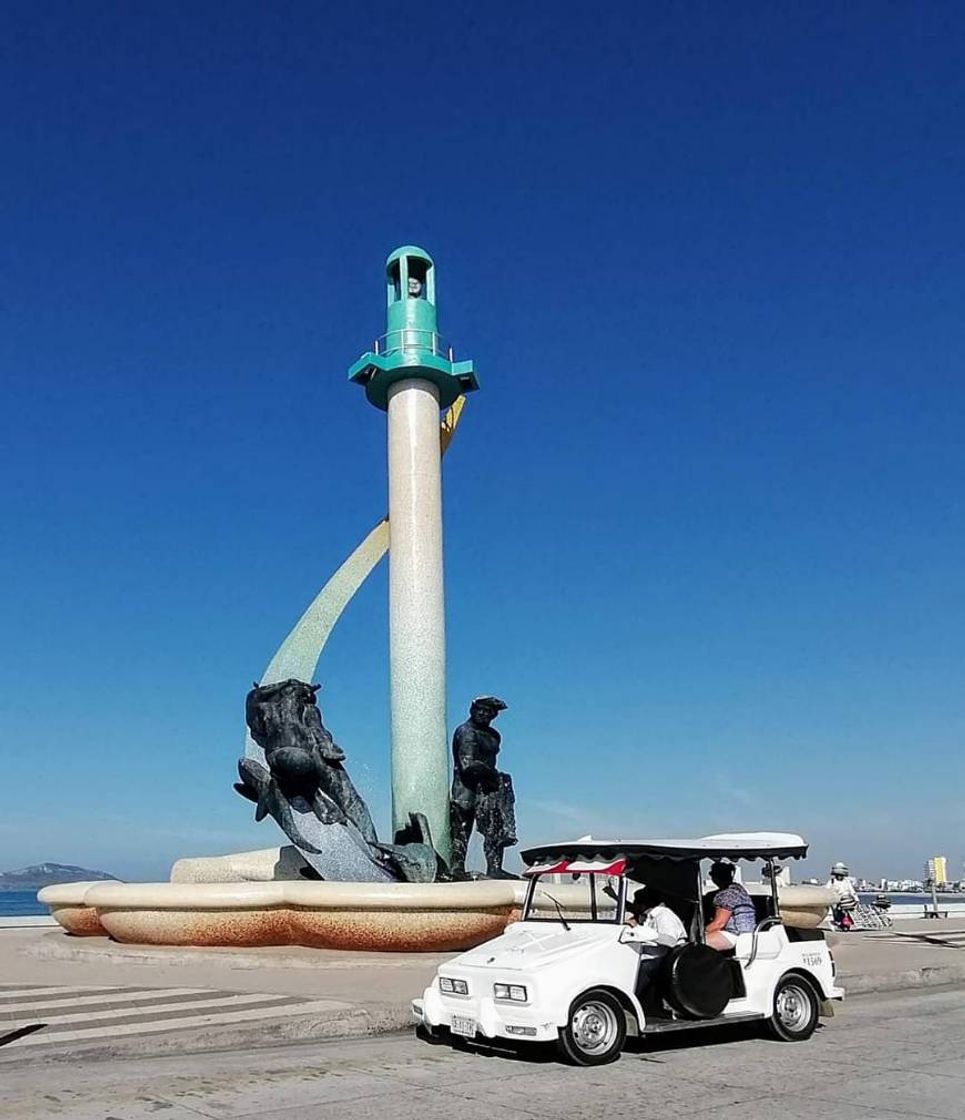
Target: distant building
{"points": [[903, 886], [936, 869]]}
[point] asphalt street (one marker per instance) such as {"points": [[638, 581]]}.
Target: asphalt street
{"points": [[883, 1057]]}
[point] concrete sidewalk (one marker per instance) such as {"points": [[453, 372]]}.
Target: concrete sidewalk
{"points": [[107, 999], [915, 954]]}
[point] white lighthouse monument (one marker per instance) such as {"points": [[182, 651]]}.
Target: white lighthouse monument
{"points": [[410, 374]]}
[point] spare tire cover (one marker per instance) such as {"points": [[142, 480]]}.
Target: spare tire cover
{"points": [[698, 981]]}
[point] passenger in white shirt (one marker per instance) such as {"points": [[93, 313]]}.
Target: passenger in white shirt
{"points": [[656, 929]]}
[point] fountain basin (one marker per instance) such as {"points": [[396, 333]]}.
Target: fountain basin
{"points": [[371, 917], [68, 905], [802, 906]]}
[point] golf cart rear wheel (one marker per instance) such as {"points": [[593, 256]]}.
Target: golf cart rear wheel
{"points": [[595, 1030], [796, 1010]]}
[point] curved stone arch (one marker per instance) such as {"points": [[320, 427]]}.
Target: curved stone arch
{"points": [[299, 653]]}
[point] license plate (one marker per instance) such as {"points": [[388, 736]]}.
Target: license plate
{"points": [[462, 1024]]}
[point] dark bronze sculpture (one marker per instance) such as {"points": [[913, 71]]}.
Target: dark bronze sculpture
{"points": [[481, 794], [303, 785], [305, 769]]}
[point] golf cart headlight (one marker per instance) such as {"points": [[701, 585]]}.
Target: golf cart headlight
{"points": [[453, 987], [514, 992]]}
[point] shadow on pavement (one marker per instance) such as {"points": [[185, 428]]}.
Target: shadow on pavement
{"points": [[535, 1053], [21, 1032], [652, 1045], [646, 1048]]}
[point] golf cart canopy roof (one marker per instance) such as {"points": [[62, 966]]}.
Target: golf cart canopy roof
{"points": [[608, 853], [578, 866]]}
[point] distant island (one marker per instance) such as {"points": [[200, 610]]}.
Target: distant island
{"points": [[43, 874]]}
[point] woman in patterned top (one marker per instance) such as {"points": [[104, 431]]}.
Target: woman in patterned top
{"points": [[734, 911]]}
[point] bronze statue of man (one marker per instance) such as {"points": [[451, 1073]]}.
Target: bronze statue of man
{"points": [[481, 794], [304, 763]]}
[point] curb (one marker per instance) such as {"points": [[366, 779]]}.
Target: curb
{"points": [[929, 976], [99, 950], [354, 1022]]}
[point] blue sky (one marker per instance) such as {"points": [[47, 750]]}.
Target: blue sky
{"points": [[704, 521]]}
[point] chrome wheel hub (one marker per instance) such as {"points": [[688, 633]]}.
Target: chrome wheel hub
{"points": [[594, 1027], [793, 1008]]}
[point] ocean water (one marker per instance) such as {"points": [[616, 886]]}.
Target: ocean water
{"points": [[20, 904]]}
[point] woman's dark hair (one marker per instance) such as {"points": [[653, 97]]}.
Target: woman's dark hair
{"points": [[722, 869]]}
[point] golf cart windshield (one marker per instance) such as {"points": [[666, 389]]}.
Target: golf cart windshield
{"points": [[570, 892]]}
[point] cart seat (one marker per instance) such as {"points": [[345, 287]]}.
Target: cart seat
{"points": [[696, 981], [770, 941]]}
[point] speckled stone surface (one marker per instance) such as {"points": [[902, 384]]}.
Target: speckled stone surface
{"points": [[417, 633], [69, 907], [266, 865], [81, 921], [396, 917], [365, 930]]}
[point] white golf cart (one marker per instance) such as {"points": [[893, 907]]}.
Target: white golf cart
{"points": [[564, 973]]}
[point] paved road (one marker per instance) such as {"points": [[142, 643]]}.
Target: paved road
{"points": [[884, 1057]]}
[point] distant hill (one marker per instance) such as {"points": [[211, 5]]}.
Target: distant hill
{"points": [[43, 874]]}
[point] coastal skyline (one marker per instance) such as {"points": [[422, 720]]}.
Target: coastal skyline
{"points": [[703, 520]]}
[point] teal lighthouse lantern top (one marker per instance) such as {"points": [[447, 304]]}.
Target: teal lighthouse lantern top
{"points": [[411, 346]]}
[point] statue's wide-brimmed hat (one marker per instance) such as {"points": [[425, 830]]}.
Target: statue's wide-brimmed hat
{"points": [[490, 702]]}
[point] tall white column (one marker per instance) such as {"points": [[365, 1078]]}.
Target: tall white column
{"points": [[417, 630]]}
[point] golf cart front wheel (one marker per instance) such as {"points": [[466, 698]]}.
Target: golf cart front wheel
{"points": [[796, 1010], [595, 1030]]}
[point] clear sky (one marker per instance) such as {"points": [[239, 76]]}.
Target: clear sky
{"points": [[704, 521]]}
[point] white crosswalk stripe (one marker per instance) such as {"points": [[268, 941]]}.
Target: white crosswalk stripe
{"points": [[105, 997], [16, 989], [8, 991], [305, 1008], [154, 1009], [32, 1017]]}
